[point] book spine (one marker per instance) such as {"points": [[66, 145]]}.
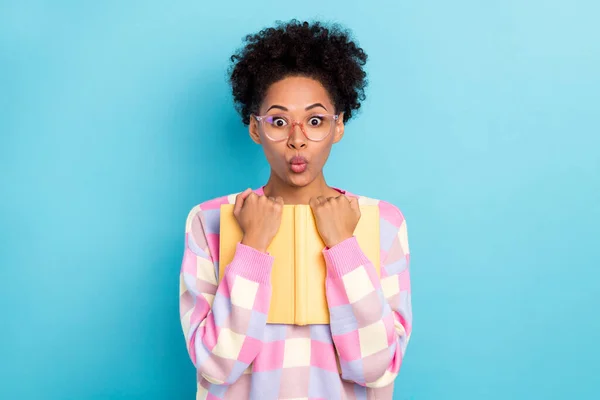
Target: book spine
{"points": [[300, 272]]}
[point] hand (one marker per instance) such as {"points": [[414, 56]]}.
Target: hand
{"points": [[336, 217], [259, 218]]}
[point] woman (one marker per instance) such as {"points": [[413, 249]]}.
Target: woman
{"points": [[295, 86]]}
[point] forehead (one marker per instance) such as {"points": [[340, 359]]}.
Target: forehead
{"points": [[296, 93]]}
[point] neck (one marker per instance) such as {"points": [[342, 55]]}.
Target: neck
{"points": [[298, 194]]}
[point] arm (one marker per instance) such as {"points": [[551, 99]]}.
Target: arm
{"points": [[223, 323], [371, 317]]}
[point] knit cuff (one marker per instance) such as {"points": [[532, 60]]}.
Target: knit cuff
{"points": [[251, 264], [344, 257]]}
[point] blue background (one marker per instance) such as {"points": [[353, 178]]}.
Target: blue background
{"points": [[481, 124]]}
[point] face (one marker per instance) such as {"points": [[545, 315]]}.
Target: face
{"points": [[296, 160]]}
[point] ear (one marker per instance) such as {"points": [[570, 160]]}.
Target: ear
{"points": [[339, 128], [253, 130]]}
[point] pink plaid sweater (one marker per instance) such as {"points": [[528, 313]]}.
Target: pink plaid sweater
{"points": [[239, 356]]}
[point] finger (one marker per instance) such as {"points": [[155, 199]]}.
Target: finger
{"points": [[353, 203], [245, 193], [342, 198], [252, 195], [321, 199], [239, 200], [279, 200], [313, 202], [264, 198], [272, 198]]}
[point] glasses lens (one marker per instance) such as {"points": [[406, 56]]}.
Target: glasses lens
{"points": [[276, 126], [318, 127]]}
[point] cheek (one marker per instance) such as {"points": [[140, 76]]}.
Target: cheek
{"points": [[322, 153], [275, 156]]}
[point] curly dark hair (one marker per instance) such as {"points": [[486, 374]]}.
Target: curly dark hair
{"points": [[325, 53]]}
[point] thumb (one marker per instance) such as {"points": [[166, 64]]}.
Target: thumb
{"points": [[313, 203], [239, 200], [354, 205]]}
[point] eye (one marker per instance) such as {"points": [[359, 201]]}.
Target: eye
{"points": [[315, 121], [278, 122]]}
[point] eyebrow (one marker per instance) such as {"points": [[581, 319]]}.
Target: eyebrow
{"points": [[314, 106], [306, 109]]}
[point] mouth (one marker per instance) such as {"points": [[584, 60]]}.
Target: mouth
{"points": [[298, 164]]}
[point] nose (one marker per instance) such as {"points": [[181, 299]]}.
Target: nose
{"points": [[296, 140]]}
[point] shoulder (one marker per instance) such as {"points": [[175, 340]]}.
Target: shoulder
{"points": [[208, 212], [203, 224], [392, 223], [388, 211]]}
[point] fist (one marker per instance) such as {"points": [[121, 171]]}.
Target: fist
{"points": [[336, 217], [259, 217]]}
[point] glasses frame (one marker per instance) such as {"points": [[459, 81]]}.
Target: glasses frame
{"points": [[261, 121]]}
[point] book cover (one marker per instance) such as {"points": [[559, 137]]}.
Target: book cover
{"points": [[299, 270]]}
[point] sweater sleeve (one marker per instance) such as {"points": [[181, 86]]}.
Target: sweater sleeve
{"points": [[370, 315], [223, 323]]}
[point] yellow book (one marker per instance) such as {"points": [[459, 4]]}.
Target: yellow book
{"points": [[299, 271]]}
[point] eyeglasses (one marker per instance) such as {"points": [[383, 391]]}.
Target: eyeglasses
{"points": [[315, 127]]}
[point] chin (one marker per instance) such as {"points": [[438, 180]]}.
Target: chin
{"points": [[299, 180]]}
